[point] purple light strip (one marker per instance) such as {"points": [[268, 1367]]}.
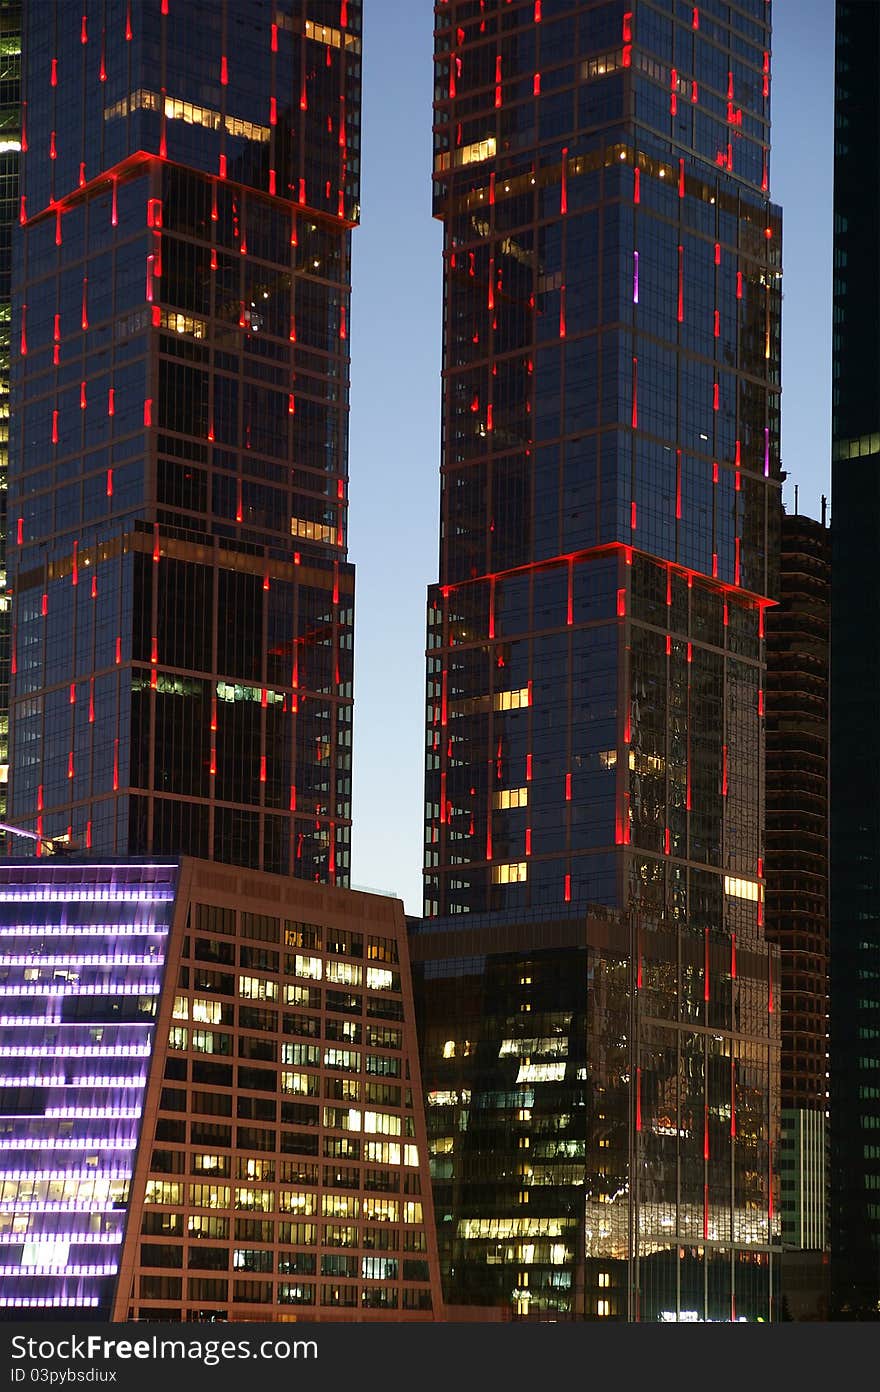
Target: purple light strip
{"points": [[104, 988], [33, 1080], [92, 1112], [49, 1300], [40, 1175], [35, 1206], [74, 894], [635, 277], [85, 930], [57, 1207], [67, 1143], [110, 1269], [31, 960], [72, 1050], [86, 1239]]}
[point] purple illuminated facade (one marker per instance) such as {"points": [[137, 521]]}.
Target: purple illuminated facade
{"points": [[82, 955]]}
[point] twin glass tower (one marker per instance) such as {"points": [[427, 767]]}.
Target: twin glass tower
{"points": [[183, 606], [599, 1003], [599, 1026]]}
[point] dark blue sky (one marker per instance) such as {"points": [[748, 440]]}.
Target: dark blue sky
{"points": [[395, 391]]}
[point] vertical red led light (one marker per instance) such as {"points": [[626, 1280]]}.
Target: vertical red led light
{"points": [[680, 309]]}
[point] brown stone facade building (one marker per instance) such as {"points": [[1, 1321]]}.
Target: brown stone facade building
{"points": [[211, 1105]]}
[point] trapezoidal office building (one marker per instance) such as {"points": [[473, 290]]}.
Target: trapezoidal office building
{"points": [[183, 607], [598, 1005], [209, 1104]]}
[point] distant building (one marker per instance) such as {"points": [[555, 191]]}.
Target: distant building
{"points": [[855, 671], [796, 874], [210, 1102]]}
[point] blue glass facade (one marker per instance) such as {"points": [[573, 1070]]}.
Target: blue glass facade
{"points": [[183, 606], [10, 146], [82, 958], [596, 669]]}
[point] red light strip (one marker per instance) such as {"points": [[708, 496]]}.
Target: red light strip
{"points": [[757, 601]]}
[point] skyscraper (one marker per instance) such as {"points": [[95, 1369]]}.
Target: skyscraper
{"points": [[600, 1038], [796, 869], [855, 672], [10, 146], [182, 602]]}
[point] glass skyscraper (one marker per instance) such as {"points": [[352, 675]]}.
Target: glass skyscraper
{"points": [[855, 673], [10, 147], [598, 1002], [182, 603]]}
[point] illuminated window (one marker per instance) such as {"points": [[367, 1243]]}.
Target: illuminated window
{"points": [[381, 979], [301, 1053], [300, 1084], [323, 33], [310, 967], [442, 1099], [177, 1037], [382, 1152], [295, 1201], [349, 1059], [511, 700], [181, 1008], [383, 1123], [207, 1012], [743, 889], [510, 797], [601, 67], [257, 988], [346, 973], [608, 758], [183, 323], [162, 1191], [341, 1206], [188, 112], [541, 1073], [475, 153], [449, 1049], [383, 1210], [603, 1308], [210, 1164], [604, 1278], [313, 531], [209, 1195], [513, 873], [253, 1200]]}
